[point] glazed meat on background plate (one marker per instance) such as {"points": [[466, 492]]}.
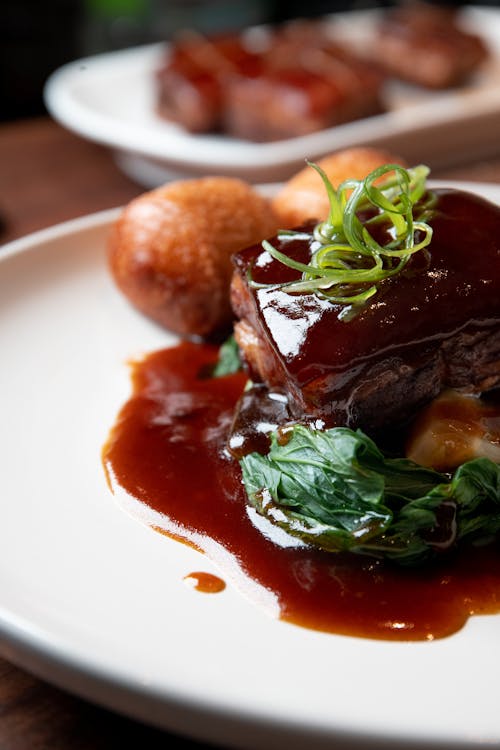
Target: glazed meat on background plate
{"points": [[190, 82], [308, 83], [426, 45], [292, 81]]}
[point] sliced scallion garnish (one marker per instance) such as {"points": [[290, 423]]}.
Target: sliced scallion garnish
{"points": [[348, 262]]}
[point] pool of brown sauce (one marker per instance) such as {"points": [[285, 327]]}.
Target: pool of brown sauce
{"points": [[168, 450]]}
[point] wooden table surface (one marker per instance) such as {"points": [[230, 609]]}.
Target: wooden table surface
{"points": [[48, 175]]}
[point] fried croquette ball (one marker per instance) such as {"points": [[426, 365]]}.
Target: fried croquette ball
{"points": [[304, 196], [170, 250]]}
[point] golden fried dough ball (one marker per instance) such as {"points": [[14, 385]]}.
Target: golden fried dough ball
{"points": [[304, 196], [170, 250]]}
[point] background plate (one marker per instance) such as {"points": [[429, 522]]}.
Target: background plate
{"points": [[110, 99]]}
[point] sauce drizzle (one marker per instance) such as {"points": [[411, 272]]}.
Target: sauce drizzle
{"points": [[167, 451], [206, 583]]}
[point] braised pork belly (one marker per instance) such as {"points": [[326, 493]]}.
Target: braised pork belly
{"points": [[436, 325]]}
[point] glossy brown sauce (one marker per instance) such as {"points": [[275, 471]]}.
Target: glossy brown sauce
{"points": [[168, 451], [206, 583]]}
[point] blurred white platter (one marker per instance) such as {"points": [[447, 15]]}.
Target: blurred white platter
{"points": [[94, 601], [110, 99]]}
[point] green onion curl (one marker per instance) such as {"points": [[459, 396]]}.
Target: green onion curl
{"points": [[348, 262]]}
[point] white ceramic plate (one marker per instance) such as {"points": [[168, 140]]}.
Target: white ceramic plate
{"points": [[94, 601], [110, 99]]}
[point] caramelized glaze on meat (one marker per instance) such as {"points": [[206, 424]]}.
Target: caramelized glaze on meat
{"points": [[431, 327]]}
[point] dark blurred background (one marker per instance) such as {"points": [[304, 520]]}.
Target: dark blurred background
{"points": [[38, 37]]}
